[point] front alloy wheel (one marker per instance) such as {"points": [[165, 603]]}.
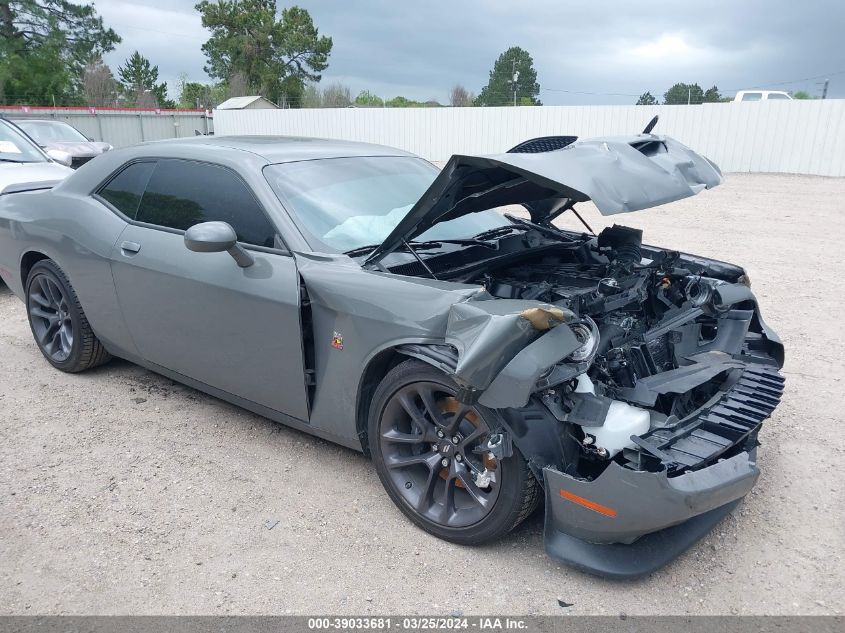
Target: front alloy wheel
{"points": [[431, 454]]}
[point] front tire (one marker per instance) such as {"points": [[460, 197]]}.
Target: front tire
{"points": [[426, 447], [57, 321]]}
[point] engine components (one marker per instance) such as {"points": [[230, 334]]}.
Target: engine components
{"points": [[624, 242]]}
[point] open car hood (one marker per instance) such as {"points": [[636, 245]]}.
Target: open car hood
{"points": [[619, 174]]}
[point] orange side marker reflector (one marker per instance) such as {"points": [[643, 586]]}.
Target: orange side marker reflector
{"points": [[591, 505]]}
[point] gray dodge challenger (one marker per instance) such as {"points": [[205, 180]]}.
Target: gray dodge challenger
{"points": [[487, 361]]}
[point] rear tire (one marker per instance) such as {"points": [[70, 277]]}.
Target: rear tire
{"points": [[416, 428], [57, 321]]}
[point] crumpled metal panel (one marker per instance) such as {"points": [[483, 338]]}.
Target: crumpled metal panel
{"points": [[513, 385], [487, 334], [490, 334]]}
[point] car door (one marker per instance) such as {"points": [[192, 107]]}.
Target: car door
{"points": [[200, 314]]}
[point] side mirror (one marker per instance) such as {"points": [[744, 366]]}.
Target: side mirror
{"points": [[60, 157], [216, 237]]}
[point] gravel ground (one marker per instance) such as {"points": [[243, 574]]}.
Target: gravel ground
{"points": [[123, 492]]}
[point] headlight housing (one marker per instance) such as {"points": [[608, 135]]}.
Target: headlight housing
{"points": [[587, 332]]}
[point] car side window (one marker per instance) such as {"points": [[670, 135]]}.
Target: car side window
{"points": [[182, 193], [752, 96], [124, 191]]}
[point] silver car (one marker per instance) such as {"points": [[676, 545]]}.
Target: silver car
{"points": [[487, 362], [58, 135]]}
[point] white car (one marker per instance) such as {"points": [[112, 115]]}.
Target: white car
{"points": [[761, 95], [23, 162]]}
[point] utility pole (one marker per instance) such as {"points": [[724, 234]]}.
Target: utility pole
{"points": [[689, 94], [824, 86], [515, 77]]}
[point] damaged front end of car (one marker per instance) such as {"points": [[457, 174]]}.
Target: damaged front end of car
{"points": [[633, 379]]}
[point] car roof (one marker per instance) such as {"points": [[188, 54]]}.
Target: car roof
{"points": [[280, 149]]}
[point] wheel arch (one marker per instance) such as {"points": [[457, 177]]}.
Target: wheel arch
{"points": [[377, 368], [28, 260], [533, 429]]}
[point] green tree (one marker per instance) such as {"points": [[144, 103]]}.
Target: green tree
{"points": [[404, 102], [193, 94], [683, 93], [139, 79], [275, 56], [801, 94], [37, 77], [500, 86], [366, 99], [647, 98], [401, 102], [45, 46], [712, 95]]}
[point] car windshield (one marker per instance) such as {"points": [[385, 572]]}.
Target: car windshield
{"points": [[16, 147], [52, 132], [347, 203]]}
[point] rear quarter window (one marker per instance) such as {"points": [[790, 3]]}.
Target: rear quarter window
{"points": [[125, 190]]}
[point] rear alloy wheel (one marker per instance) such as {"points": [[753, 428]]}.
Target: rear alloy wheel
{"points": [[58, 323], [430, 454]]}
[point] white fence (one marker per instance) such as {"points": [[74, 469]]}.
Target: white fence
{"points": [[120, 126], [802, 137]]}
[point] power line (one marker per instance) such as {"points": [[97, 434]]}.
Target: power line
{"points": [[599, 94], [793, 81]]}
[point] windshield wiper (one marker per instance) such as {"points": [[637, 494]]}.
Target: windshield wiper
{"points": [[500, 231], [12, 160], [554, 233], [363, 250], [426, 245], [470, 241], [481, 239]]}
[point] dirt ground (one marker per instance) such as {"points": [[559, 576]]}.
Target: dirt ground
{"points": [[123, 492]]}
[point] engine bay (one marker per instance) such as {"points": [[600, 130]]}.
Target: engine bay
{"points": [[625, 291], [664, 335]]}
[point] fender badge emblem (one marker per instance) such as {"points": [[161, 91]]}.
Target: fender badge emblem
{"points": [[337, 340]]}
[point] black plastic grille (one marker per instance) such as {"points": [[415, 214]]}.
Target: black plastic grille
{"points": [[78, 161], [715, 429], [543, 144]]}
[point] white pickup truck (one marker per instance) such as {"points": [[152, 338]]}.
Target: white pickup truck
{"points": [[761, 95]]}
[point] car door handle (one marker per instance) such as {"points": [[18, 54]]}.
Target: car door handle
{"points": [[130, 247]]}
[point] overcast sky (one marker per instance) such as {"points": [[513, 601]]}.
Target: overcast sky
{"points": [[593, 52]]}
